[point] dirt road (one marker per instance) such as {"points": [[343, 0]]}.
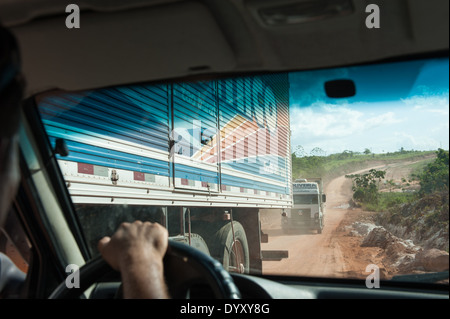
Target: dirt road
{"points": [[311, 254], [334, 253]]}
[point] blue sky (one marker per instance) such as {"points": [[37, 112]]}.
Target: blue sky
{"points": [[396, 105]]}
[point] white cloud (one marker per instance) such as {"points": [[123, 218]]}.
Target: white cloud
{"points": [[416, 142], [333, 122], [420, 124], [432, 104]]}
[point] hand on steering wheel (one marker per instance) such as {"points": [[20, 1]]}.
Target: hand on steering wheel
{"points": [[177, 257]]}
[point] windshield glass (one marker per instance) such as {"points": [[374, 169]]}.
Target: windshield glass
{"points": [[306, 199], [215, 163]]}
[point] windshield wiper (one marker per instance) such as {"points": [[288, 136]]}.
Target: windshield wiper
{"points": [[427, 277]]}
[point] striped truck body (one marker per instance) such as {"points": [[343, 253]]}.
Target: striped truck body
{"points": [[215, 143]]}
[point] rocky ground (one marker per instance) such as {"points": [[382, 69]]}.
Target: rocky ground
{"points": [[394, 255]]}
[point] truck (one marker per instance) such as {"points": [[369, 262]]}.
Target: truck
{"points": [[308, 209], [201, 158]]}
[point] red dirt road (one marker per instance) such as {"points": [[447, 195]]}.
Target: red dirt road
{"points": [[334, 253], [310, 254]]}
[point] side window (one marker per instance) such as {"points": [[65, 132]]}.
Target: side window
{"points": [[14, 242]]}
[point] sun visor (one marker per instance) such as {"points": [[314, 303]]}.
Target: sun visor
{"points": [[112, 48]]}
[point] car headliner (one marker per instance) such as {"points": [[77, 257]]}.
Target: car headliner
{"points": [[122, 42]]}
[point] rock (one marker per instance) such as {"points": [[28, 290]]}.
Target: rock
{"points": [[403, 254], [378, 237], [405, 263], [363, 228], [432, 260], [353, 233], [400, 254]]}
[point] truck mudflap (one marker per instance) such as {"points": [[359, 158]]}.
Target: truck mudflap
{"points": [[274, 255]]}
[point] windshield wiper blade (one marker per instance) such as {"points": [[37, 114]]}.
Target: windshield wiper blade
{"points": [[427, 277]]}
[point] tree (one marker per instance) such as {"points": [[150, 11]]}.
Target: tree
{"points": [[317, 151], [435, 177], [299, 151], [346, 154], [365, 186], [367, 151]]}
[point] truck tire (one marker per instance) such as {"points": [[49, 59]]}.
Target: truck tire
{"points": [[198, 242], [225, 249], [319, 230]]}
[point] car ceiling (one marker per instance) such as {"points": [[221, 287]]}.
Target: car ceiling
{"points": [[122, 42]]}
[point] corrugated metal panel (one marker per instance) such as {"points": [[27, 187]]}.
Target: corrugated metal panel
{"points": [[230, 180], [193, 173], [136, 114], [84, 153], [255, 125], [251, 115]]}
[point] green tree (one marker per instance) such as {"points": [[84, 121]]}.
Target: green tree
{"points": [[365, 186], [435, 176], [307, 166], [317, 151], [300, 151]]}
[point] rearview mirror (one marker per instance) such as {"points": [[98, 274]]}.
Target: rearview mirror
{"points": [[61, 147], [340, 88]]}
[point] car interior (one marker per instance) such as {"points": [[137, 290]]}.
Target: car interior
{"points": [[170, 41]]}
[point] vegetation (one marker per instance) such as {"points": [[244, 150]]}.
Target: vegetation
{"points": [[423, 219], [417, 207], [366, 191], [317, 164], [435, 177], [365, 186], [422, 216], [389, 200]]}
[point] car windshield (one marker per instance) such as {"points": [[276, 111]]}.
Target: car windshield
{"points": [[226, 165]]}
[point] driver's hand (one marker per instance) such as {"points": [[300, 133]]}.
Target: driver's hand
{"points": [[135, 241], [137, 250]]}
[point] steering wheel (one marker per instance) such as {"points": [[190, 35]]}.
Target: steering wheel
{"points": [[179, 257]]}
